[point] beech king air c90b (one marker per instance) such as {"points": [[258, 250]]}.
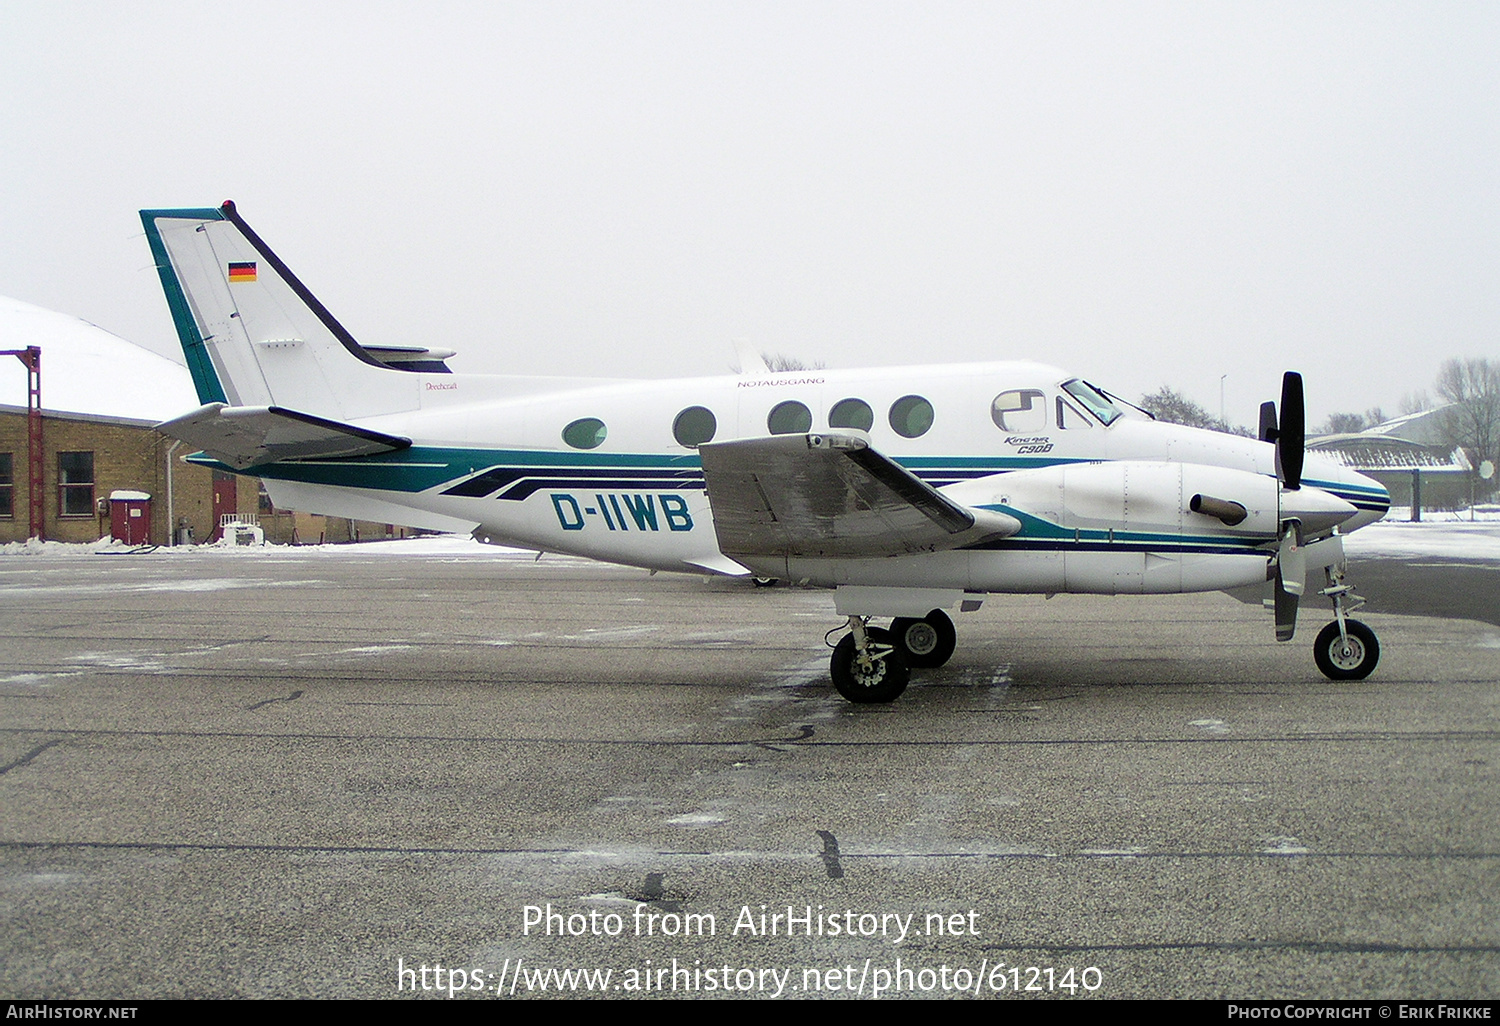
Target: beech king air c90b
{"points": [[907, 491]]}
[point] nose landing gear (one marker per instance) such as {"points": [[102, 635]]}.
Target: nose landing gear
{"points": [[1346, 649], [1347, 655]]}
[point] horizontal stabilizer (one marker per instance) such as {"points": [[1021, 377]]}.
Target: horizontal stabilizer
{"points": [[831, 495], [248, 436]]}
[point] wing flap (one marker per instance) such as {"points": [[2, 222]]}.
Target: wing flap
{"points": [[248, 436], [831, 495]]}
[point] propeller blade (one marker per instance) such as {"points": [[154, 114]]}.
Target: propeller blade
{"points": [[1291, 437], [1291, 561], [1286, 611], [1268, 422]]}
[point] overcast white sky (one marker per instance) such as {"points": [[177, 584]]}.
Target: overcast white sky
{"points": [[1143, 193]]}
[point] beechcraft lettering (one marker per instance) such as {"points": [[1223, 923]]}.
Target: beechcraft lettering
{"points": [[904, 492]]}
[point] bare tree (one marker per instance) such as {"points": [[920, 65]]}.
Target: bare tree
{"points": [[778, 362], [1473, 421], [1415, 402], [1344, 424], [1175, 408], [1352, 423]]}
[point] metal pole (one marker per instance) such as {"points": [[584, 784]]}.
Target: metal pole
{"points": [[31, 356], [171, 516]]}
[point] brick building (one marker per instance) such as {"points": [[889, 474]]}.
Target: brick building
{"points": [[101, 397], [85, 458]]}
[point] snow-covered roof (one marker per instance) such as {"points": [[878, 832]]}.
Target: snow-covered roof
{"points": [[86, 369], [1423, 426], [1367, 452]]}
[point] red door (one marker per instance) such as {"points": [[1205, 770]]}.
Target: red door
{"points": [[225, 501], [130, 517]]}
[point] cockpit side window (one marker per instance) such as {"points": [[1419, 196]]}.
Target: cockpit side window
{"points": [[1068, 416], [1093, 400], [1021, 409]]}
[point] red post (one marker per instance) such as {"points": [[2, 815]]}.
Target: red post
{"points": [[31, 356]]}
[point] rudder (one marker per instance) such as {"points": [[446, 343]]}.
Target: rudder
{"points": [[252, 333]]}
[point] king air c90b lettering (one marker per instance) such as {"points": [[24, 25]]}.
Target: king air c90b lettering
{"points": [[904, 491]]}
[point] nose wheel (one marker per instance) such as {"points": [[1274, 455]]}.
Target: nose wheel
{"points": [[1350, 654]]}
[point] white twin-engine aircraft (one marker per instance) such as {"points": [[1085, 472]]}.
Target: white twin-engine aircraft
{"points": [[907, 491]]}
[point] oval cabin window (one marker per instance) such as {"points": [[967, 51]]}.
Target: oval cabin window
{"points": [[851, 413], [911, 416], [789, 418], [587, 433], [694, 426]]}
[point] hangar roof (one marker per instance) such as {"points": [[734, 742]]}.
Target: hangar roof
{"points": [[86, 369]]}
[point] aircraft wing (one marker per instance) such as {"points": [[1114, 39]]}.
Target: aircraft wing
{"points": [[247, 436], [831, 495]]}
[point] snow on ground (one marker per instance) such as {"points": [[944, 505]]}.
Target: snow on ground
{"points": [[450, 546], [1448, 535]]}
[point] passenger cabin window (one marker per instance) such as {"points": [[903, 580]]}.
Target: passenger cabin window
{"points": [[911, 416], [1093, 400], [1068, 416], [851, 413], [587, 433], [789, 418], [1020, 410], [694, 426]]}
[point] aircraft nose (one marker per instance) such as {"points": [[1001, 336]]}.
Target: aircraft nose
{"points": [[1317, 510], [1384, 496]]}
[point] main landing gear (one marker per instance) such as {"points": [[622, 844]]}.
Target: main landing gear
{"points": [[871, 664], [926, 643]]}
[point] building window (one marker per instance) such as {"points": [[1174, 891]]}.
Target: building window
{"points": [[75, 484], [7, 485]]}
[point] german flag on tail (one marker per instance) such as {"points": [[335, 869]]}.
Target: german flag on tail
{"points": [[242, 271]]}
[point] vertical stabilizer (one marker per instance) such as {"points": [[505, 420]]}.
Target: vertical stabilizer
{"points": [[252, 333]]}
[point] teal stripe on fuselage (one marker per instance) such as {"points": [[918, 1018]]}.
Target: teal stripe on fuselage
{"points": [[420, 468], [1035, 529], [998, 464], [424, 468]]}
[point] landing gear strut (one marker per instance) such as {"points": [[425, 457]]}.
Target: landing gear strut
{"points": [[866, 666], [1346, 649]]}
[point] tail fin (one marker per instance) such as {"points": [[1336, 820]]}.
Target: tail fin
{"points": [[252, 333]]}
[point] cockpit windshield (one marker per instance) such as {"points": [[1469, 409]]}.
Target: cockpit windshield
{"points": [[1093, 400]]}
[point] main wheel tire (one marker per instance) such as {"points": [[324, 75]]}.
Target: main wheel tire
{"points": [[765, 582], [925, 643], [886, 678], [1354, 664]]}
